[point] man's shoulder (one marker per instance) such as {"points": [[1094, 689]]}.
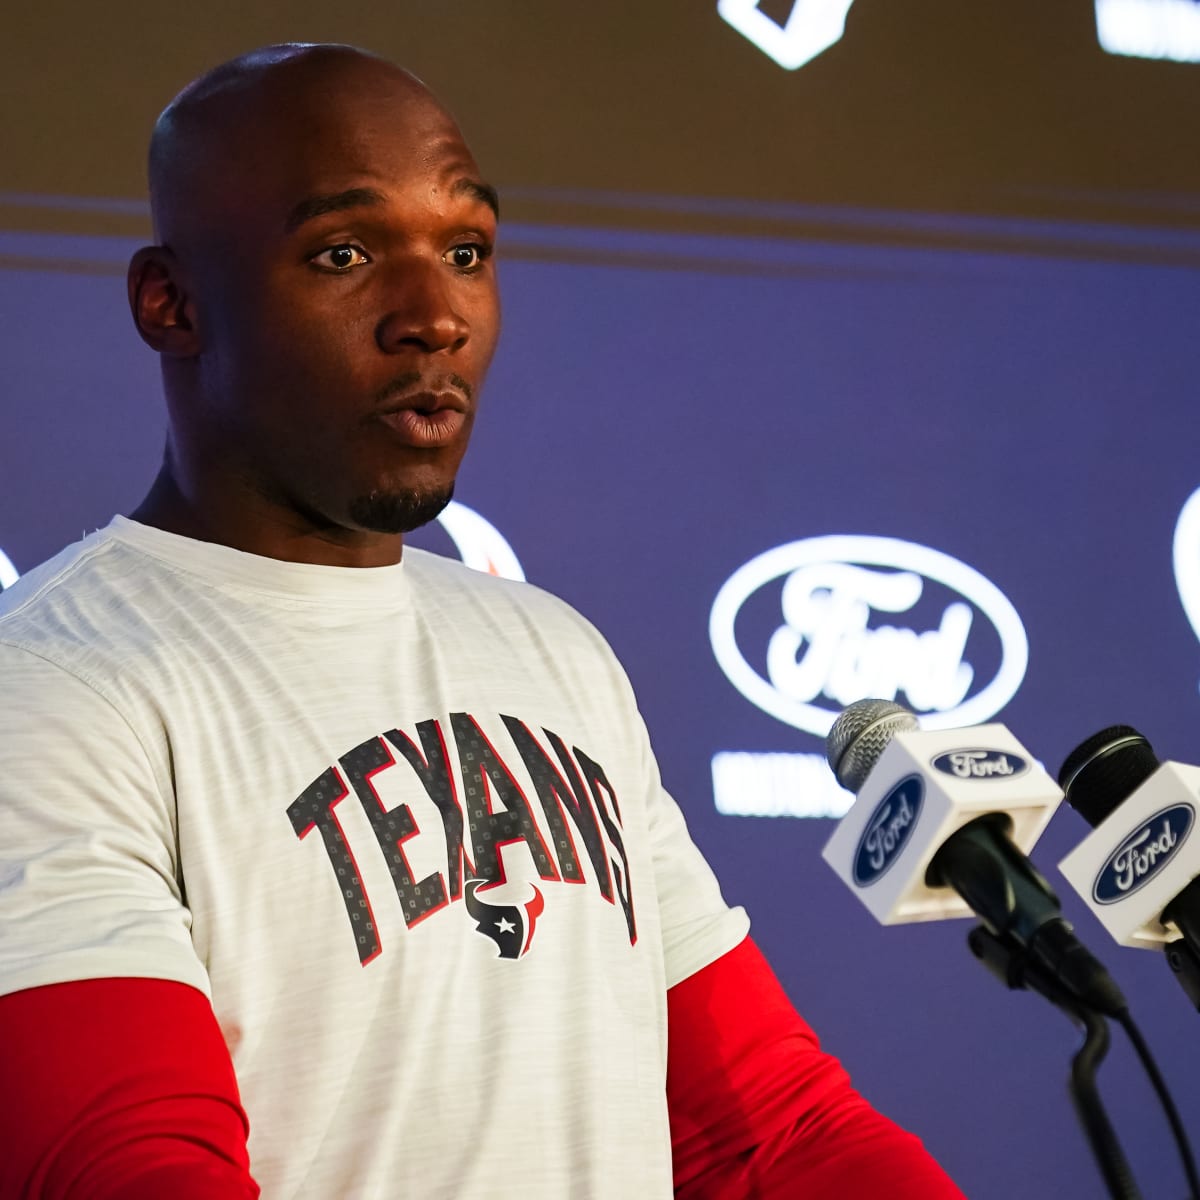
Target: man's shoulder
{"points": [[72, 569], [517, 605], [438, 573], [81, 602]]}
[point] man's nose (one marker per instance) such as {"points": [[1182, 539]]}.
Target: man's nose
{"points": [[420, 312]]}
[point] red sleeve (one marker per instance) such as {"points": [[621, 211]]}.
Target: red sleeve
{"points": [[757, 1109], [118, 1089]]}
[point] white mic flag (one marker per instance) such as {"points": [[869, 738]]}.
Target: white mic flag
{"points": [[920, 789], [1143, 851]]}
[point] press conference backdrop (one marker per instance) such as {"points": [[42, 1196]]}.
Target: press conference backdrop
{"points": [[849, 349]]}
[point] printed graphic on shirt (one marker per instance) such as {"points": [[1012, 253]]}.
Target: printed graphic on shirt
{"points": [[574, 799], [510, 926]]}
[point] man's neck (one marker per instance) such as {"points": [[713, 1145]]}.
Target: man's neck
{"points": [[252, 524]]}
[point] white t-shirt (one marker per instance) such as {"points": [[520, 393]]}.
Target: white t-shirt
{"points": [[404, 827]]}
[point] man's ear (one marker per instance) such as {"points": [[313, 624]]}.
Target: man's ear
{"points": [[163, 310]]}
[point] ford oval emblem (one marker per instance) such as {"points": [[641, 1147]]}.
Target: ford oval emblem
{"points": [[888, 830], [1143, 854], [825, 648], [978, 763]]}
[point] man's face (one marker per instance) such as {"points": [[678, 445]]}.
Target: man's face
{"points": [[347, 304]]}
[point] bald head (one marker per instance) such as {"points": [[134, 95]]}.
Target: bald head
{"points": [[216, 136], [323, 299]]}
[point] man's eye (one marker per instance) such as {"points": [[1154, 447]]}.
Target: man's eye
{"points": [[467, 257], [340, 258]]}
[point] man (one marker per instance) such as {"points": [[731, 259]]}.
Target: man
{"points": [[366, 842]]}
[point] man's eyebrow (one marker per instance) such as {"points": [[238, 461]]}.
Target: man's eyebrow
{"points": [[319, 205], [483, 192]]}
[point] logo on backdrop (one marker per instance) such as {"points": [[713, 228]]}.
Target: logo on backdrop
{"points": [[8, 573], [811, 626], [1164, 29], [1150, 28], [888, 831], [1143, 854], [478, 542], [811, 28], [824, 653], [1185, 553], [980, 764]]}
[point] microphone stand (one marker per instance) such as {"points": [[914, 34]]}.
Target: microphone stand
{"points": [[1185, 965], [1011, 965], [1183, 956]]}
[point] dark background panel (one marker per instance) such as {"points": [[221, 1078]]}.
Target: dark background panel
{"points": [[933, 105]]}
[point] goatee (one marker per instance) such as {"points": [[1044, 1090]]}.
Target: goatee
{"points": [[399, 512]]}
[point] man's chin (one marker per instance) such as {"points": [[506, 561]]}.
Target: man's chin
{"points": [[399, 512]]}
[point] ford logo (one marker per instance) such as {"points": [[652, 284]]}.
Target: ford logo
{"points": [[825, 654], [1143, 853], [888, 830], [980, 764]]}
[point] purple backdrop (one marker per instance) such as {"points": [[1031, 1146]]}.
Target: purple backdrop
{"points": [[663, 409]]}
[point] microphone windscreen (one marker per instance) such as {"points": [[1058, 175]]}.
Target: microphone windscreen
{"points": [[1102, 771], [860, 735]]}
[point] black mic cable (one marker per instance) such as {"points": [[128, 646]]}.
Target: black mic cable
{"points": [[1015, 971], [980, 862], [1024, 939], [1096, 777]]}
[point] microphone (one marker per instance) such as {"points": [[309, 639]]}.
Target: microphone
{"points": [[952, 811], [1138, 869]]}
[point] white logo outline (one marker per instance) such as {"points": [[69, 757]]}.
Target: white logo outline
{"points": [[1185, 559], [1154, 29], [812, 27], [8, 573], [873, 551], [479, 543]]}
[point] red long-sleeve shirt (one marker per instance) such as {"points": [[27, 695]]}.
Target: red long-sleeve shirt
{"points": [[123, 1089]]}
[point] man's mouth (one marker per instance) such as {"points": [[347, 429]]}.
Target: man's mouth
{"points": [[428, 403], [426, 420]]}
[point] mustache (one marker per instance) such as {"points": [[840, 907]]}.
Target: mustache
{"points": [[404, 384]]}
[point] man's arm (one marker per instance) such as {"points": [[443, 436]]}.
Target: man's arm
{"points": [[115, 1080], [118, 1089], [757, 1109]]}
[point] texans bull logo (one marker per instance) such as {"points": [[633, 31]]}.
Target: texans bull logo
{"points": [[510, 926]]}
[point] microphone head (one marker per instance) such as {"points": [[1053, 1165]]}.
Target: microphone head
{"points": [[916, 787], [1102, 771], [860, 735]]}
